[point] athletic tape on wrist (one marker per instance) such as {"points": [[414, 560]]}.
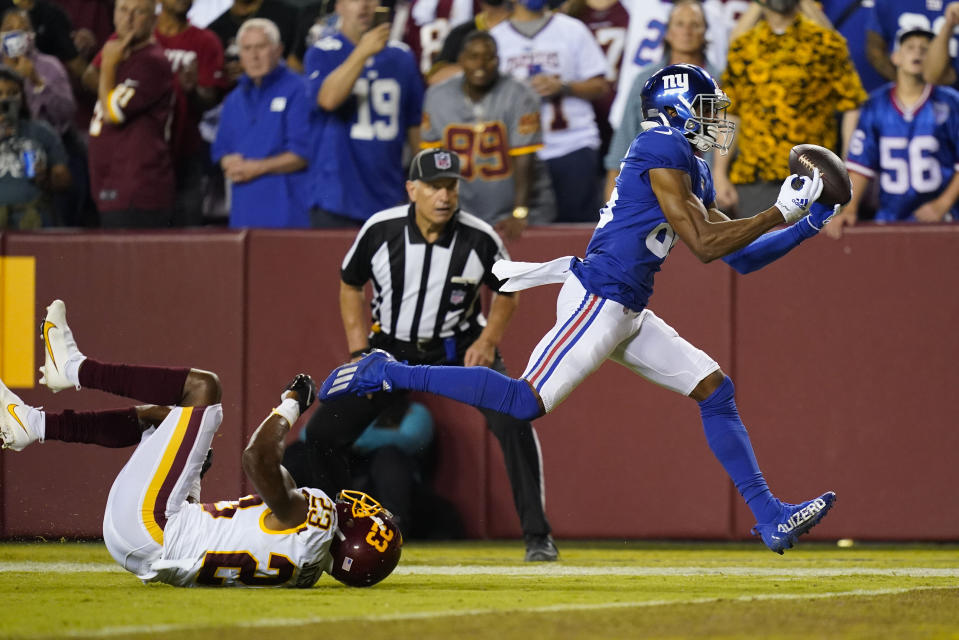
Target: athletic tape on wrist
{"points": [[289, 409]]}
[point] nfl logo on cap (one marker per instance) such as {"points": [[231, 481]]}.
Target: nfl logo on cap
{"points": [[443, 160], [435, 164]]}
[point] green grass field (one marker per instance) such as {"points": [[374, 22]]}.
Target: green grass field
{"points": [[483, 590]]}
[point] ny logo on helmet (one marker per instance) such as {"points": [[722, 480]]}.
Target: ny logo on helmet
{"points": [[443, 160], [676, 81]]}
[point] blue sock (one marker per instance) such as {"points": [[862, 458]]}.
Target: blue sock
{"points": [[476, 386], [730, 444]]}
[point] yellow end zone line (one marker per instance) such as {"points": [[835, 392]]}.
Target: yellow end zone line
{"points": [[446, 613], [561, 570]]}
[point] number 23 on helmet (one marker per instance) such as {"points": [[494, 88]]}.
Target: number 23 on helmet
{"points": [[367, 544]]}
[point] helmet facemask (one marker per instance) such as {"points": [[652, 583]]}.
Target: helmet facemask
{"points": [[706, 127]]}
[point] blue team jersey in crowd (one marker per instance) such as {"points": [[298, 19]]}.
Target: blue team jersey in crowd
{"points": [[913, 153], [890, 18], [633, 237], [850, 17], [260, 122], [357, 165]]}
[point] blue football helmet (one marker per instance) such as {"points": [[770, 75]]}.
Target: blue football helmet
{"points": [[686, 97]]}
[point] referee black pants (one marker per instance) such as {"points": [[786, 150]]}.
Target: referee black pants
{"points": [[335, 425]]}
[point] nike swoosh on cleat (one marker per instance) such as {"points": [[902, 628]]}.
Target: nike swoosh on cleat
{"points": [[10, 408], [47, 325]]}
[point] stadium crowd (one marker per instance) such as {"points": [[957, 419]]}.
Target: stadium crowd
{"points": [[264, 113]]}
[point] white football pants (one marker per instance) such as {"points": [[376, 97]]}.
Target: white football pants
{"points": [[590, 329]]}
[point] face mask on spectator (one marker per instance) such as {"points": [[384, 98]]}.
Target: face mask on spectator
{"points": [[16, 43], [533, 5]]}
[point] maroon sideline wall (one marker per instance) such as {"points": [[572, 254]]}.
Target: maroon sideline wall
{"points": [[842, 355]]}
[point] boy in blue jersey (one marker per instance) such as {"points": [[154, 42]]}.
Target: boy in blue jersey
{"points": [[889, 19], [369, 99], [661, 195], [908, 139]]}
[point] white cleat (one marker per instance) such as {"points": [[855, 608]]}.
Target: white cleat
{"points": [[60, 349], [15, 429]]}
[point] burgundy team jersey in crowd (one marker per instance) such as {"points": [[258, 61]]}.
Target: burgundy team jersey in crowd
{"points": [[426, 38], [192, 46], [130, 162], [609, 28]]}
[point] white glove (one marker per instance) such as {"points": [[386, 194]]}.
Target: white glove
{"points": [[794, 203]]}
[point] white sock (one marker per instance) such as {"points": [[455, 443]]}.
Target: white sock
{"points": [[37, 421], [72, 369]]}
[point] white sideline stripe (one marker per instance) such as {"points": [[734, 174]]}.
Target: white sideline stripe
{"points": [[420, 615], [557, 571], [59, 567], [560, 571]]}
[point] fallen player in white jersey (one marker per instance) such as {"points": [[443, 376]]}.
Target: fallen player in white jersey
{"points": [[154, 525]]}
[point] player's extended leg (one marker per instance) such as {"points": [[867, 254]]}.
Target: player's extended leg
{"points": [[65, 367], [659, 354], [155, 481], [22, 425], [587, 329]]}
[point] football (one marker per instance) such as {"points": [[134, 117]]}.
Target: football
{"points": [[836, 189]]}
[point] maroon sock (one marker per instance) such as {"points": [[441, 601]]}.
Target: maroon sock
{"points": [[153, 385], [113, 428]]}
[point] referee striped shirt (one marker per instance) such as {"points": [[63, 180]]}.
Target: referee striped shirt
{"points": [[423, 291]]}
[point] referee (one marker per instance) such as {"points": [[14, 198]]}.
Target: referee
{"points": [[426, 261]]}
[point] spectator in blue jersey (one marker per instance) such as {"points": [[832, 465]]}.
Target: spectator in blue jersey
{"points": [[907, 139], [664, 193], [889, 19], [263, 143], [942, 65], [368, 98]]}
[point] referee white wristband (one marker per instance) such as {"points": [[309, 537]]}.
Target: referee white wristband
{"points": [[289, 409]]}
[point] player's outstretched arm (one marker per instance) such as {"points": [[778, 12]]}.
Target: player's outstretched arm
{"points": [[262, 458], [771, 246], [707, 239]]}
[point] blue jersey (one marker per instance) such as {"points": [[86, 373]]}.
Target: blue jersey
{"points": [[633, 237], [853, 29], [357, 166], [890, 18], [913, 153]]}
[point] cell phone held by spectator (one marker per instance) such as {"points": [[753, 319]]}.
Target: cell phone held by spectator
{"points": [[382, 15]]}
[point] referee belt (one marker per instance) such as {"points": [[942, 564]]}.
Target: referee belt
{"points": [[433, 350]]}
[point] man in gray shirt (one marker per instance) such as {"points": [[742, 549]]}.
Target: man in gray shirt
{"points": [[493, 123]]}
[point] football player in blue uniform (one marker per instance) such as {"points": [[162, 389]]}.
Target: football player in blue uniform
{"points": [[908, 139], [664, 192]]}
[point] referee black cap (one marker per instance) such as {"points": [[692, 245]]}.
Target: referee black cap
{"points": [[432, 164]]}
